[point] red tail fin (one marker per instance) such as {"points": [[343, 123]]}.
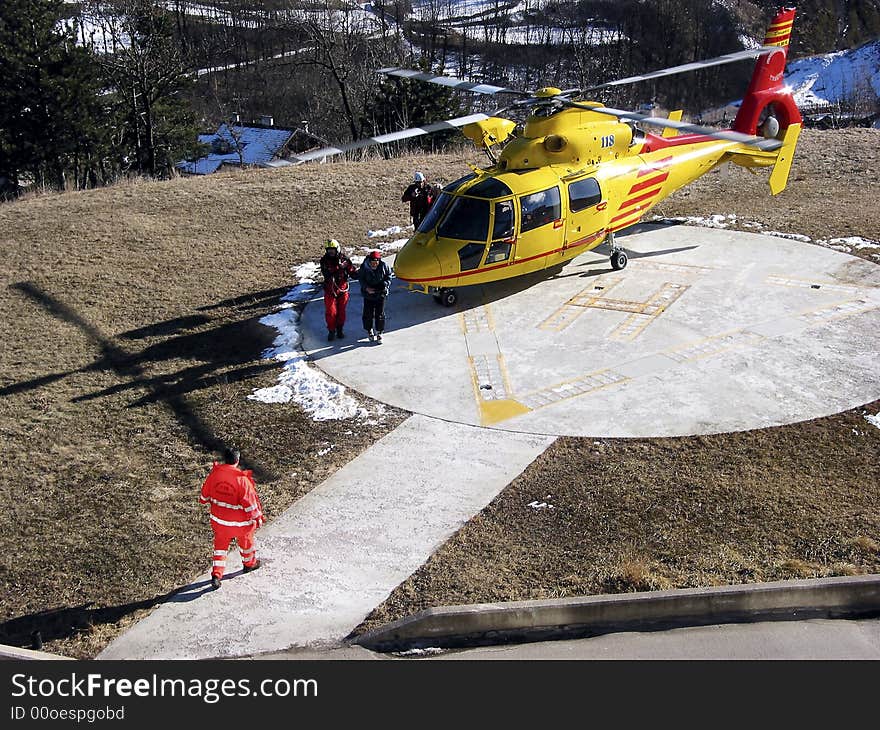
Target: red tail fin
{"points": [[767, 88]]}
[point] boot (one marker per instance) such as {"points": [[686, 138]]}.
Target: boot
{"points": [[249, 568], [371, 335], [330, 335], [215, 582], [379, 336], [339, 333]]}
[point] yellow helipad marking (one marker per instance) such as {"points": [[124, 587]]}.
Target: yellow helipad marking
{"points": [[838, 310], [492, 412], [648, 311], [572, 388], [817, 285], [714, 345], [478, 319], [492, 389], [677, 268], [595, 297], [496, 401], [489, 376], [745, 338], [574, 307]]}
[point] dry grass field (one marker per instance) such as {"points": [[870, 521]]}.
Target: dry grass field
{"points": [[129, 318]]}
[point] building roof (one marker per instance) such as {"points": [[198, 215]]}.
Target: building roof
{"points": [[259, 145]]}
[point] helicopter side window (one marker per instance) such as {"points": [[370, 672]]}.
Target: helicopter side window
{"points": [[538, 209], [468, 218], [498, 251], [503, 227], [437, 210], [583, 193], [471, 255]]}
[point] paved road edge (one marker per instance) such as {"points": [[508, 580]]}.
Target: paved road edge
{"points": [[518, 621]]}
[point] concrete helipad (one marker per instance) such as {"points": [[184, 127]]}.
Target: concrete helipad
{"points": [[705, 331]]}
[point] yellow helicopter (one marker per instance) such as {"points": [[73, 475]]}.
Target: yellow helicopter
{"points": [[577, 171]]}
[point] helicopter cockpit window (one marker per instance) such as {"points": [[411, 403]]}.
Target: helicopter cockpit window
{"points": [[456, 184], [468, 218], [583, 193], [538, 209], [471, 255], [490, 188], [434, 214]]}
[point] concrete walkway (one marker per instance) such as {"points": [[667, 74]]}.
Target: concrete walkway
{"points": [[339, 551]]}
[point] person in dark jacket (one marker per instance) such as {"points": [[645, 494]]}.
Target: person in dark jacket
{"points": [[336, 268], [375, 278], [420, 196]]}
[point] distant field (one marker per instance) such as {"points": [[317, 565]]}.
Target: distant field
{"points": [[129, 318]]}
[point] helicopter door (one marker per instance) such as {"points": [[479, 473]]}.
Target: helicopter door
{"points": [[503, 238], [587, 214], [541, 228]]}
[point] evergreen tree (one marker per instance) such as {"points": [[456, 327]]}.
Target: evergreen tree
{"points": [[147, 76], [48, 98], [400, 104]]}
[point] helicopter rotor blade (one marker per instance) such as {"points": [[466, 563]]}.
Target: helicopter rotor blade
{"points": [[385, 138], [450, 81], [762, 143], [684, 68]]}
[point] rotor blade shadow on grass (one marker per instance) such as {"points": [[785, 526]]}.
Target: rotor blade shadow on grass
{"points": [[127, 365], [63, 623], [167, 328], [34, 383], [267, 297], [176, 384]]}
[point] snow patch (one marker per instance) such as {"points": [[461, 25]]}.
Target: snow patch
{"points": [[792, 236], [299, 382]]}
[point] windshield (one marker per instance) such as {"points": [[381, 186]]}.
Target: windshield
{"points": [[430, 220], [467, 219]]}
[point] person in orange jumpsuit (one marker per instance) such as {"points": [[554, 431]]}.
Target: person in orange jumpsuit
{"points": [[336, 268], [236, 512]]}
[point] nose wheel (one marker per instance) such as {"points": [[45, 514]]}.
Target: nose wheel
{"points": [[446, 297]]}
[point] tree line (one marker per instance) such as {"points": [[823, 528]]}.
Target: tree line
{"points": [[74, 116], [122, 87]]}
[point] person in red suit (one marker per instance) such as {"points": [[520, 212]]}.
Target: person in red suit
{"points": [[236, 513], [336, 268]]}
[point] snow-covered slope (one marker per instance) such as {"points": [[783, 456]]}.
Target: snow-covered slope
{"points": [[845, 76]]}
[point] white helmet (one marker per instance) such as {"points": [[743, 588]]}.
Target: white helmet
{"points": [[418, 177]]}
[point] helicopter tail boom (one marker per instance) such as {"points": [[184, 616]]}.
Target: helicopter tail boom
{"points": [[768, 107], [767, 94]]}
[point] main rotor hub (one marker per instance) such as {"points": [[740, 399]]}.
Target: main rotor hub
{"points": [[547, 92]]}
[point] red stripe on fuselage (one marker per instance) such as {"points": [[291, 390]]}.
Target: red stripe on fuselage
{"points": [[628, 213], [649, 183], [634, 201], [582, 242]]}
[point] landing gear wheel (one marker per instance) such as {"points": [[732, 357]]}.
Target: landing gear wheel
{"points": [[618, 260], [447, 297]]}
